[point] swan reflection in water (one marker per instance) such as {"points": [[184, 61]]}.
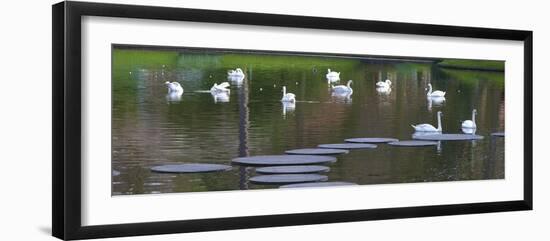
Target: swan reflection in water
{"points": [[236, 80], [471, 131], [416, 134], [288, 107], [384, 90], [341, 97], [435, 101], [221, 97], [173, 97]]}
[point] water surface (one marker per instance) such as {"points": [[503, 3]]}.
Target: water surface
{"points": [[152, 128]]}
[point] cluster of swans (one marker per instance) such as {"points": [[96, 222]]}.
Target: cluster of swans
{"points": [[333, 76], [468, 126], [343, 91], [436, 97], [220, 92]]}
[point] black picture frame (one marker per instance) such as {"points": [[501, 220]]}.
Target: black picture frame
{"points": [[66, 128]]}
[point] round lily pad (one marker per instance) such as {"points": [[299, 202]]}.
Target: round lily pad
{"points": [[347, 146], [275, 160], [371, 140], [292, 169], [316, 151], [191, 168], [287, 178], [498, 134], [318, 184], [449, 137], [412, 143]]}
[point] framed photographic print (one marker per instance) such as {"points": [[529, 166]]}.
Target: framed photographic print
{"points": [[170, 120]]}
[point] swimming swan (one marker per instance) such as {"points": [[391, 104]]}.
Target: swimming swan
{"points": [[174, 87], [470, 123], [288, 97], [223, 87], [235, 73], [343, 88], [383, 84], [436, 93], [428, 127], [333, 76]]}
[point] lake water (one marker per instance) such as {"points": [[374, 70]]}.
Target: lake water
{"points": [[151, 128]]}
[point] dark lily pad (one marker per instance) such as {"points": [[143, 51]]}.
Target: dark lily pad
{"points": [[273, 160], [318, 184], [371, 140], [287, 178], [191, 168], [347, 146], [412, 143], [449, 137], [292, 169], [316, 151]]}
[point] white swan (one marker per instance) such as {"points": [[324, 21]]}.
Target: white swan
{"points": [[333, 76], [174, 87], [235, 73], [428, 127], [288, 97], [383, 84], [471, 124], [343, 88], [223, 87], [436, 93]]}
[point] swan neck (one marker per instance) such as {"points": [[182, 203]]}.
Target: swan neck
{"points": [[474, 117], [284, 90], [429, 89]]}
